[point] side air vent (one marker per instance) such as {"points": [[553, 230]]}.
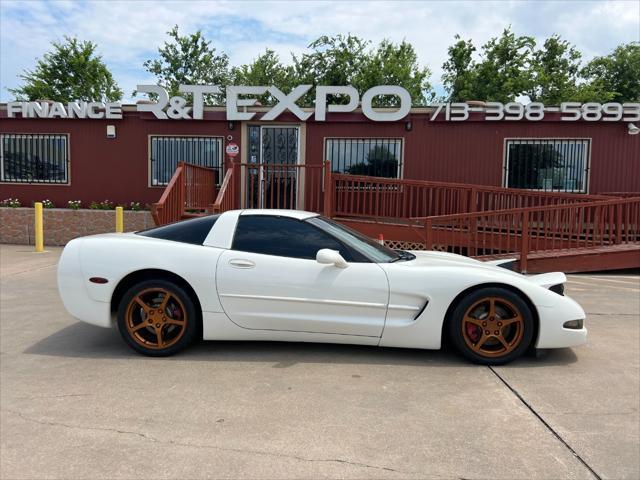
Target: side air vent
{"points": [[421, 310], [559, 288]]}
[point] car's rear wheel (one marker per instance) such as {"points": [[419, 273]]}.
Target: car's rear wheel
{"points": [[492, 326], [157, 318]]}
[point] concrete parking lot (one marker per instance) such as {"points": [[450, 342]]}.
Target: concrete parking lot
{"points": [[76, 403]]}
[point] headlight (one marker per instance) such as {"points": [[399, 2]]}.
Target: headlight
{"points": [[574, 324], [559, 288]]}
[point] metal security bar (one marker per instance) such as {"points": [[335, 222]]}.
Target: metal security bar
{"points": [[34, 158], [166, 152], [374, 157], [547, 164]]}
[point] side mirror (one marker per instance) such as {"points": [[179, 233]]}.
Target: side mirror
{"points": [[331, 257]]}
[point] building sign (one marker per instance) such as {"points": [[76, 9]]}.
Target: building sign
{"points": [[232, 149], [535, 111], [239, 98]]}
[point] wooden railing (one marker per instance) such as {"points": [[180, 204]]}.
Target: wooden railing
{"points": [[191, 188], [361, 196], [523, 231], [282, 186], [621, 194], [226, 195]]}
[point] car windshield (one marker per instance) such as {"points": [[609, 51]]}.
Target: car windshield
{"points": [[356, 240]]}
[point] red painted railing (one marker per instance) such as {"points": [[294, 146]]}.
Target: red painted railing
{"points": [[281, 186], [523, 231], [361, 196], [192, 188], [226, 196]]}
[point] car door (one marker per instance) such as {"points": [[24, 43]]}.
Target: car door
{"points": [[270, 280]]}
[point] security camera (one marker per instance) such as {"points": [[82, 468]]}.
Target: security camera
{"points": [[633, 130]]}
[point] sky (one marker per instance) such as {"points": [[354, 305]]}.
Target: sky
{"points": [[129, 32]]}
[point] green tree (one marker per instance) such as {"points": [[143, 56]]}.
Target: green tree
{"points": [[616, 75], [265, 70], [349, 60], [459, 71], [336, 60], [555, 70], [189, 60], [395, 64], [70, 71], [502, 74]]}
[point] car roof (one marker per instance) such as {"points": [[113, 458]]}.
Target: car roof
{"points": [[297, 214]]}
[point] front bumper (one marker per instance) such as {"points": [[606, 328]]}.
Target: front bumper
{"points": [[551, 333]]}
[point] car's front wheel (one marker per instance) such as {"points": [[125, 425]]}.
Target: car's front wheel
{"points": [[491, 326], [157, 318]]}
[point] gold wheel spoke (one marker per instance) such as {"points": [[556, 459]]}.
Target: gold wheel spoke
{"points": [[142, 303], [165, 300], [478, 345], [492, 308], [172, 321], [509, 321], [140, 326], [159, 336], [502, 341], [475, 321]]}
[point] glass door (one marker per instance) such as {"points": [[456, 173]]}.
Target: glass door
{"points": [[272, 173]]}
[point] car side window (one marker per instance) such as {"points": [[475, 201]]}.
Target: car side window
{"points": [[283, 237]]}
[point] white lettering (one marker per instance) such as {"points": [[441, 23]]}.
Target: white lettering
{"points": [[95, 110], [198, 101], [156, 108], [233, 102], [36, 109], [113, 111], [57, 110], [321, 100], [77, 110], [288, 102], [399, 114], [16, 107]]}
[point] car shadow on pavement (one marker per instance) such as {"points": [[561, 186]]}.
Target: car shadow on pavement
{"points": [[82, 340]]}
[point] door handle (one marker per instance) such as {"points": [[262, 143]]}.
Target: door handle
{"points": [[240, 263]]}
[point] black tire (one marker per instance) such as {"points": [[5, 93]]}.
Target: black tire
{"points": [[152, 330], [486, 340]]}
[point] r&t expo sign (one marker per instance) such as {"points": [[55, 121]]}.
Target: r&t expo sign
{"points": [[241, 97]]}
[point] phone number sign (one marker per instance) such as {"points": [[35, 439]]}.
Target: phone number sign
{"points": [[535, 111]]}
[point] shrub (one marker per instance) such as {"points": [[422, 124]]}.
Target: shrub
{"points": [[10, 202], [135, 206], [74, 204], [103, 205], [47, 204]]}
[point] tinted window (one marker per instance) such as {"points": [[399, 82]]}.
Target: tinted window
{"points": [[284, 237], [188, 231]]}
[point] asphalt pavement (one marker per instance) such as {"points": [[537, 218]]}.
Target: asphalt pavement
{"points": [[76, 403]]}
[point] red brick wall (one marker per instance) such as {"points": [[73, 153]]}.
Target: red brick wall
{"points": [[62, 225]]}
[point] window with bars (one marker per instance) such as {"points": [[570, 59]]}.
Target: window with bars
{"points": [[376, 157], [166, 152], [547, 164], [34, 158]]}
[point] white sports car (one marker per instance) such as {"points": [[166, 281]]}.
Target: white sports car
{"points": [[289, 275]]}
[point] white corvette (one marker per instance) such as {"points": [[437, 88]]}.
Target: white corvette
{"points": [[289, 275]]}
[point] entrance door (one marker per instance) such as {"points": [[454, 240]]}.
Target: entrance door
{"points": [[275, 152]]}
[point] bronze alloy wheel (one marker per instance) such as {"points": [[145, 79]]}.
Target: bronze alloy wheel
{"points": [[493, 327], [156, 318]]}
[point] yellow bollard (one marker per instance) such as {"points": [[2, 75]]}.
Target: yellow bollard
{"points": [[119, 220], [39, 228]]}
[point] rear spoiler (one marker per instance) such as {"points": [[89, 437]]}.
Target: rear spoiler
{"points": [[507, 263]]}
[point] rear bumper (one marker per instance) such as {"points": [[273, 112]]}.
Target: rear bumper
{"points": [[73, 291]]}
